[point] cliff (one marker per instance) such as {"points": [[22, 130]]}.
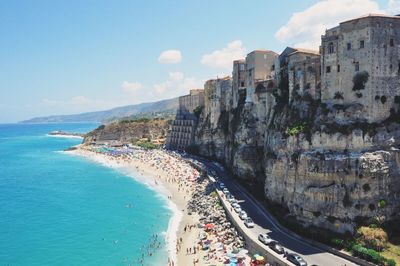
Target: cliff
{"points": [[322, 167], [130, 131]]}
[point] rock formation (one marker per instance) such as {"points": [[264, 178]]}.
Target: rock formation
{"points": [[331, 161]]}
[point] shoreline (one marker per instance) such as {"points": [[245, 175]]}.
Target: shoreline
{"points": [[144, 176], [64, 136], [199, 231]]}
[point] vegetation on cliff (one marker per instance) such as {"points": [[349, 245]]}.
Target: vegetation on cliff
{"points": [[144, 132]]}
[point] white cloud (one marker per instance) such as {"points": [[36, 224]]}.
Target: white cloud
{"points": [[223, 58], [176, 85], [393, 7], [131, 87], [170, 57], [304, 29]]}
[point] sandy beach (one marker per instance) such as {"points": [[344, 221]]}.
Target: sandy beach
{"points": [[177, 181]]}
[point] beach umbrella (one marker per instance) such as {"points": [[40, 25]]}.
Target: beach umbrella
{"points": [[243, 251], [260, 258], [209, 226]]}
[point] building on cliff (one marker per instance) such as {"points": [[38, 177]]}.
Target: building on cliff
{"points": [[260, 66], [305, 134], [238, 82], [304, 72], [361, 66], [181, 133], [218, 94]]}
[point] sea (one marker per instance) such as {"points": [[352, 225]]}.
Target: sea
{"points": [[60, 209]]}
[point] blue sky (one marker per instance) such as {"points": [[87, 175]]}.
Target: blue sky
{"points": [[65, 57]]}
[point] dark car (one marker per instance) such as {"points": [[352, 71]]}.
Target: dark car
{"points": [[276, 247], [296, 259]]}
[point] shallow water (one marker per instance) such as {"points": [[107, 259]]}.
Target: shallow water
{"points": [[57, 209]]}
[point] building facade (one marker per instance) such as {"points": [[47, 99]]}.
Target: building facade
{"points": [[260, 65], [304, 72], [361, 66], [181, 134], [238, 81], [218, 95]]}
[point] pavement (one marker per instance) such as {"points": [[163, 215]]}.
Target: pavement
{"points": [[265, 223]]}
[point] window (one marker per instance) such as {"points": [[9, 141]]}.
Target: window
{"points": [[338, 68], [392, 42], [331, 48], [357, 66], [242, 84], [328, 69], [362, 44], [348, 46]]}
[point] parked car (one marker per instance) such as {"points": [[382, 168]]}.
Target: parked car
{"points": [[296, 259], [225, 190], [232, 200], [243, 215], [221, 185], [249, 223], [265, 238], [236, 207], [275, 246]]}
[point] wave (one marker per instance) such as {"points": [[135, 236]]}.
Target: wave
{"points": [[64, 136], [173, 225]]}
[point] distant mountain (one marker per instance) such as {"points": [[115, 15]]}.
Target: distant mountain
{"points": [[164, 106]]}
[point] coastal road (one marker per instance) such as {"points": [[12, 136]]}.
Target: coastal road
{"points": [[265, 223]]}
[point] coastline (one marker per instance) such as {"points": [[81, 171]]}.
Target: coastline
{"points": [[64, 136], [155, 180]]}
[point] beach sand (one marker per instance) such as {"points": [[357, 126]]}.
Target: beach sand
{"points": [[173, 178]]}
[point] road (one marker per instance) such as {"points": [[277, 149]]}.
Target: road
{"points": [[264, 223]]}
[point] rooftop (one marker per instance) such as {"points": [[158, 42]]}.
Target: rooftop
{"points": [[305, 51], [371, 16]]}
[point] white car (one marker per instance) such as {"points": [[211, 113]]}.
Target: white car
{"points": [[265, 238], [249, 223], [236, 207], [225, 190], [232, 200], [243, 215]]}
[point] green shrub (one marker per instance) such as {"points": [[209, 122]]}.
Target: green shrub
{"points": [[371, 255], [297, 128], [382, 203], [146, 145]]}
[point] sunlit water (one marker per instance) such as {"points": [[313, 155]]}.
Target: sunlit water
{"points": [[58, 209]]}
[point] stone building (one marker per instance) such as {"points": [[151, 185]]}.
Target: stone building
{"points": [[181, 133], [217, 94], [191, 101], [260, 65], [361, 66], [304, 67], [238, 81]]}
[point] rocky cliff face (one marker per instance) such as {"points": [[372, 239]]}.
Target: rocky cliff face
{"points": [[129, 131], [318, 161]]}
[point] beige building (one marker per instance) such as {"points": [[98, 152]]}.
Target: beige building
{"points": [[304, 67], [218, 94], [181, 134], [361, 66], [191, 101], [238, 81], [260, 65]]}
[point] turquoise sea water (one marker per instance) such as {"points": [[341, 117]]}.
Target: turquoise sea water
{"points": [[58, 209]]}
